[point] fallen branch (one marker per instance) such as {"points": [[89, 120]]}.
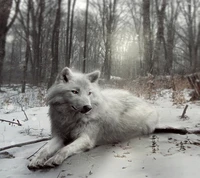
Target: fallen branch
{"points": [[11, 122], [25, 143], [182, 131]]}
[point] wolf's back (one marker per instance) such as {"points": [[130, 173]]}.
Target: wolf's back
{"points": [[125, 116]]}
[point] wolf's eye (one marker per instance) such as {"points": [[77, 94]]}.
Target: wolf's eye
{"points": [[74, 92], [90, 93]]}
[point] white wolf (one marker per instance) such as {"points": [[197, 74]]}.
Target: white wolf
{"points": [[83, 116]]}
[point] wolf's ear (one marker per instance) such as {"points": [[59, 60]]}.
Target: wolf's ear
{"points": [[93, 76], [65, 75]]}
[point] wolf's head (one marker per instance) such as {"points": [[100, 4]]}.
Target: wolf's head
{"points": [[76, 91]]}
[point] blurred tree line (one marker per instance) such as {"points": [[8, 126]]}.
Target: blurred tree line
{"points": [[123, 38]]}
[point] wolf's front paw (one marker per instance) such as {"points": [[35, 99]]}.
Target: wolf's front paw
{"points": [[36, 163], [56, 160]]}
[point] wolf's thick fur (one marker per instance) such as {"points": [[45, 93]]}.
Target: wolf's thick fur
{"points": [[83, 116]]}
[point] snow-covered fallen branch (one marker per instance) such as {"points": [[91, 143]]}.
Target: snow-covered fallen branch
{"points": [[25, 143]]}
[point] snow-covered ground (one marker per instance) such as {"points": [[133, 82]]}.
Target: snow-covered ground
{"points": [[154, 156]]}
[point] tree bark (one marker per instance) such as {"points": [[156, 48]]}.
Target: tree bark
{"points": [[109, 22], [71, 32], [85, 38], [171, 27], [27, 48], [55, 45], [147, 37], [11, 62], [5, 9], [37, 23], [160, 39], [67, 59]]}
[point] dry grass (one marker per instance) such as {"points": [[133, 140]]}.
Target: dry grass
{"points": [[148, 87]]}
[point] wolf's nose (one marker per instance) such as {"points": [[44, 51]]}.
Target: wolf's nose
{"points": [[86, 108]]}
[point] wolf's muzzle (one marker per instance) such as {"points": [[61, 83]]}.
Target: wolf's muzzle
{"points": [[86, 108]]}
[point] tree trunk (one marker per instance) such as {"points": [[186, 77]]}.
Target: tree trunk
{"points": [[5, 9], [109, 22], [27, 49], [55, 45], [67, 59], [107, 61], [2, 53], [71, 33], [160, 40], [11, 62], [171, 27], [37, 23], [147, 37], [85, 38], [40, 26]]}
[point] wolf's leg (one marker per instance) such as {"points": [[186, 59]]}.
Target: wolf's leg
{"points": [[54, 145], [84, 142]]}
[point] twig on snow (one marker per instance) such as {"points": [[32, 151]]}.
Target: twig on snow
{"points": [[11, 122], [25, 143], [37, 151], [183, 116], [23, 110], [60, 173]]}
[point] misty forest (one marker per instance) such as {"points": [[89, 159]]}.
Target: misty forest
{"points": [[122, 38], [149, 47]]}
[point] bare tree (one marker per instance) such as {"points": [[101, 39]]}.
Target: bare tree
{"points": [[135, 8], [67, 59], [171, 20], [160, 39], [107, 12], [11, 62], [55, 45], [147, 36], [5, 9], [85, 38], [27, 54], [191, 33], [71, 31], [36, 15]]}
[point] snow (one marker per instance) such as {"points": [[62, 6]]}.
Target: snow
{"points": [[153, 156]]}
